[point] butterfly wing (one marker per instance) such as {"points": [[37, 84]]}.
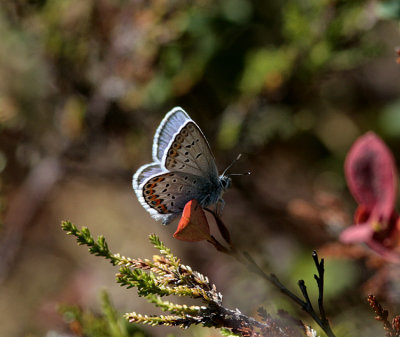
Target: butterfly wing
{"points": [[140, 177], [144, 172], [189, 152], [183, 169], [165, 195], [180, 145], [167, 130]]}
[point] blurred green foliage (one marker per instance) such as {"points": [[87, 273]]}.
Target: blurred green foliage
{"points": [[390, 9], [257, 75], [115, 57], [107, 324]]}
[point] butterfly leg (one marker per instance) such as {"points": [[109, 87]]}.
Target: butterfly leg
{"points": [[219, 206]]}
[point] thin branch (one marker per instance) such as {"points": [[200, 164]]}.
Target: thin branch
{"points": [[306, 305], [252, 266], [320, 283], [303, 288]]}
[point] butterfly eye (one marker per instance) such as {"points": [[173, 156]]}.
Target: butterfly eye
{"points": [[179, 139], [190, 127], [184, 133], [176, 146], [172, 153]]}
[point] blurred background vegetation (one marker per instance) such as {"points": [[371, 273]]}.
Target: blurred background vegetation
{"points": [[290, 84]]}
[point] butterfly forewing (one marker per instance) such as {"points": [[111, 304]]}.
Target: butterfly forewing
{"points": [[167, 130], [190, 153]]}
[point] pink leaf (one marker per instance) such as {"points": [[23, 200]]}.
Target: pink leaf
{"points": [[357, 233], [371, 175]]}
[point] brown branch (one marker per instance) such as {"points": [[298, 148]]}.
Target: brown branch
{"points": [[381, 315], [23, 207]]}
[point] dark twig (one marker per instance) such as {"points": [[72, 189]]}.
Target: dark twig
{"points": [[320, 283], [218, 246], [221, 226], [306, 305], [303, 288], [252, 266]]}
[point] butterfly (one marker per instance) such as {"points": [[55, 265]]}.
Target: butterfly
{"points": [[183, 169]]}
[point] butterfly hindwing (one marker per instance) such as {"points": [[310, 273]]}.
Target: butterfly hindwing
{"points": [[145, 172], [168, 193]]}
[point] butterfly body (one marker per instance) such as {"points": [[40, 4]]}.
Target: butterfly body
{"points": [[183, 169]]}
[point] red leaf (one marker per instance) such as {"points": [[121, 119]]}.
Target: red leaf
{"points": [[361, 215], [193, 225], [371, 175]]}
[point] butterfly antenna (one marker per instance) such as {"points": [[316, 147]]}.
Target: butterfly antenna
{"points": [[239, 174], [231, 164]]}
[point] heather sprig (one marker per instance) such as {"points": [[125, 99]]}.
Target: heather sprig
{"points": [[382, 315], [165, 275], [83, 237]]}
